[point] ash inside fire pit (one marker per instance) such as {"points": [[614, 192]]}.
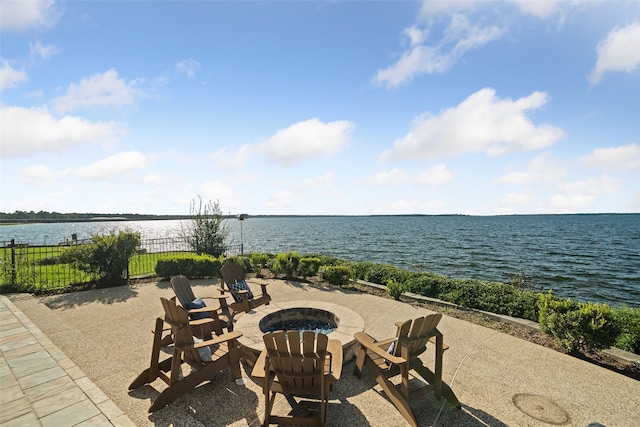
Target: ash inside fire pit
{"points": [[300, 318]]}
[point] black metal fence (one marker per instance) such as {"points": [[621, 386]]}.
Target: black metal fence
{"points": [[39, 267]]}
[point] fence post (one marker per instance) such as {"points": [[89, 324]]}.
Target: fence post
{"points": [[13, 262]]}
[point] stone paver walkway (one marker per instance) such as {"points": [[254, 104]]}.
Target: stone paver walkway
{"points": [[39, 385]]}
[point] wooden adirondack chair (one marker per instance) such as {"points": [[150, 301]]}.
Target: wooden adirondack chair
{"points": [[304, 364], [233, 280], [184, 293], [206, 358], [387, 358]]}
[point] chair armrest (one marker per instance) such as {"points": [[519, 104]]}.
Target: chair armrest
{"points": [[253, 282], [219, 339], [334, 348], [369, 343], [201, 310], [200, 322], [259, 368], [219, 297], [432, 340]]}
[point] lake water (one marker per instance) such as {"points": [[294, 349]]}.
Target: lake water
{"points": [[585, 257]]}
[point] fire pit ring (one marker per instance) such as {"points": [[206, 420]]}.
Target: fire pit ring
{"points": [[347, 323]]}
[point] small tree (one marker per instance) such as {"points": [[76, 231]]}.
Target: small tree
{"points": [[207, 232]]}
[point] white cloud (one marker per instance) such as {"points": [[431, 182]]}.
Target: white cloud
{"points": [[481, 123], [152, 178], [604, 184], [619, 51], [40, 175], [539, 8], [99, 90], [217, 190], [282, 199], [431, 8], [317, 182], [307, 140], [460, 37], [38, 51], [113, 167], [395, 176], [570, 203], [24, 14], [512, 201], [576, 196], [189, 67], [416, 35], [623, 158], [232, 160], [26, 131], [435, 175], [10, 77], [540, 169]]}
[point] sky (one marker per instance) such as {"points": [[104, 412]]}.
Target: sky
{"points": [[320, 107]]}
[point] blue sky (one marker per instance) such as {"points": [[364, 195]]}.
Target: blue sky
{"points": [[330, 107]]}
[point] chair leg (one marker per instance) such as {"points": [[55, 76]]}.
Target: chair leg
{"points": [[235, 354], [392, 392], [188, 383], [360, 356], [150, 374]]}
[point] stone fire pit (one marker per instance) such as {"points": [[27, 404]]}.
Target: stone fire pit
{"points": [[255, 323]]}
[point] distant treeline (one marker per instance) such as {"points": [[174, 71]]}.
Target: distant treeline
{"points": [[42, 216]]}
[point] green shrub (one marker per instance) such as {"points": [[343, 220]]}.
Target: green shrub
{"points": [[394, 289], [379, 273], [327, 259], [286, 264], [259, 261], [577, 326], [189, 265], [308, 266], [426, 284], [495, 297], [628, 321], [339, 275], [107, 257]]}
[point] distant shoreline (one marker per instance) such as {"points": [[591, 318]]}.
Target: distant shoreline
{"points": [[68, 218]]}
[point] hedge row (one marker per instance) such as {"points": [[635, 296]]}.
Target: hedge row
{"points": [[574, 325]]}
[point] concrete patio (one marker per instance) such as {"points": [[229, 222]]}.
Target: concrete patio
{"points": [[99, 341]]}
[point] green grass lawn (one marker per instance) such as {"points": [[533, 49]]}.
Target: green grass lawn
{"points": [[38, 269]]}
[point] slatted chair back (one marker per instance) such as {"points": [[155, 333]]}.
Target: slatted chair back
{"points": [[182, 289], [178, 319], [233, 280], [298, 360], [413, 336], [232, 273]]}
